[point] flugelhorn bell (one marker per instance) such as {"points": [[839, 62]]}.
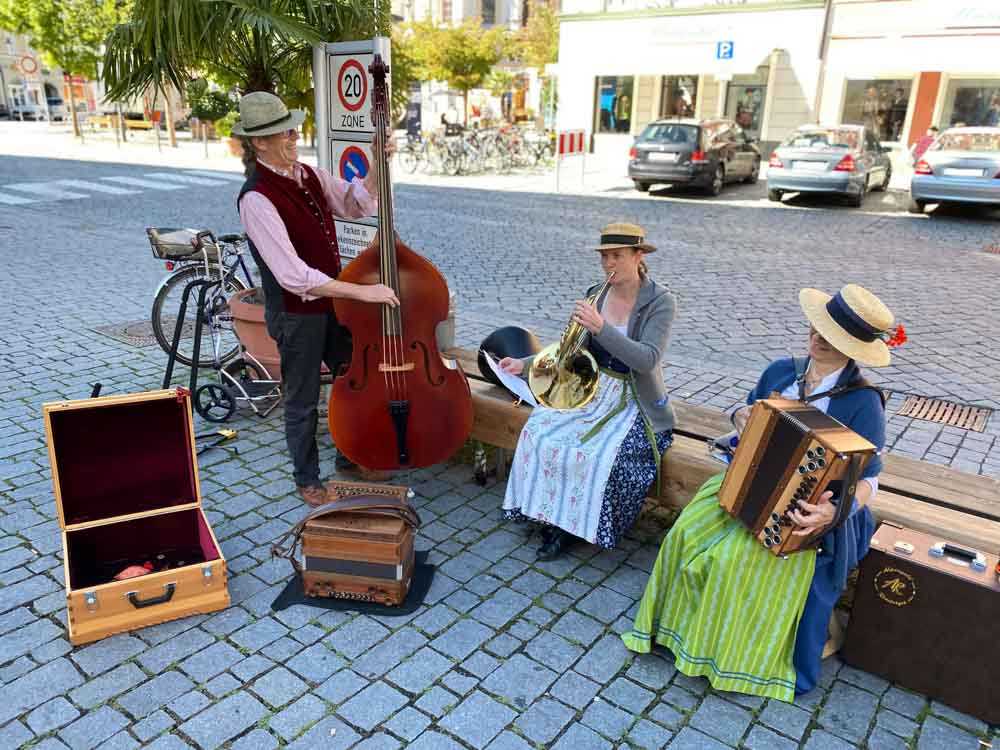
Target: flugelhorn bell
{"points": [[565, 375]]}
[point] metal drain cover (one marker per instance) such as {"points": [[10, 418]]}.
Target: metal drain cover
{"points": [[138, 333], [946, 412]]}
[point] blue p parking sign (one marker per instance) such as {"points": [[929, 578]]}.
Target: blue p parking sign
{"points": [[723, 50]]}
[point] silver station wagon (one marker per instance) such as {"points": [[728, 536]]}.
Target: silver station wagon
{"points": [[961, 166], [839, 159]]}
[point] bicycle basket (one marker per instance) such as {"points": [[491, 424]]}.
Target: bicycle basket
{"points": [[176, 244]]}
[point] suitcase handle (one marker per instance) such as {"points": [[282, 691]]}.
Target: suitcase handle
{"points": [[973, 558], [166, 596]]}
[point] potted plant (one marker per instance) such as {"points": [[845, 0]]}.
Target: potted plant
{"points": [[224, 127]]}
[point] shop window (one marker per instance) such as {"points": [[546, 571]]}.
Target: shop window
{"points": [[745, 97], [880, 105], [972, 102], [678, 96], [613, 107], [489, 12]]}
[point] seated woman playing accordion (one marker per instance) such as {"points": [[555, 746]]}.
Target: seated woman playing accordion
{"points": [[585, 472], [730, 610]]}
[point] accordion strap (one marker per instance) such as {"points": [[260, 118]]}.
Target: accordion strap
{"points": [[288, 543]]}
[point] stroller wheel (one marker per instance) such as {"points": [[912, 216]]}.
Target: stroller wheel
{"points": [[214, 402], [244, 371]]}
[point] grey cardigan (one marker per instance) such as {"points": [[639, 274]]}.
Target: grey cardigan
{"points": [[643, 350]]}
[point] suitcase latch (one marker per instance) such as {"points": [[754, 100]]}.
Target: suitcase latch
{"points": [[90, 600], [206, 575]]}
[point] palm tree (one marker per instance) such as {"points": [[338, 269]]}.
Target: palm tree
{"points": [[254, 45]]}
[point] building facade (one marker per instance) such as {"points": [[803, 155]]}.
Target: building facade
{"points": [[771, 65], [28, 87]]}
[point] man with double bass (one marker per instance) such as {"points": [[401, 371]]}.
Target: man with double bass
{"points": [[288, 211]]}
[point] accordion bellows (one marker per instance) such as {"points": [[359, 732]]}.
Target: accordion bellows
{"points": [[789, 453]]}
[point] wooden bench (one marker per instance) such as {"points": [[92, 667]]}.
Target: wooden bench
{"points": [[138, 124], [958, 507]]}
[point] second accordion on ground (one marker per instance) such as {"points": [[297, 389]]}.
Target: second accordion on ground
{"points": [[790, 453]]}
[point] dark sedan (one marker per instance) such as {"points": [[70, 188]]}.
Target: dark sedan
{"points": [[704, 154]]}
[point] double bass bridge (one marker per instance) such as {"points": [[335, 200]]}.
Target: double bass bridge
{"points": [[405, 367]]}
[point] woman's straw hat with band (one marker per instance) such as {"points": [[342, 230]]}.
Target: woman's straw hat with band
{"points": [[854, 322], [622, 234], [264, 114]]}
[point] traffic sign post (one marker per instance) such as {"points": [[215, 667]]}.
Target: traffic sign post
{"points": [[344, 124]]}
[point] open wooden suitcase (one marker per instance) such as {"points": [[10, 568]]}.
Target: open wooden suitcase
{"points": [[125, 476]]}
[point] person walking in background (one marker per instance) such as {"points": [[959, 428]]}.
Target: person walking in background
{"points": [[924, 143]]}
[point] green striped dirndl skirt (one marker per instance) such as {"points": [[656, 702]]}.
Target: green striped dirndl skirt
{"points": [[727, 608]]}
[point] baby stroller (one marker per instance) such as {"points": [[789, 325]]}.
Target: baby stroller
{"points": [[243, 380]]}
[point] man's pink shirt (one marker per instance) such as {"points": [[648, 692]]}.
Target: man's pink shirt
{"points": [[264, 227]]}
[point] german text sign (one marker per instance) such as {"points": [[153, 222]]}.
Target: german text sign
{"points": [[353, 237], [350, 93]]}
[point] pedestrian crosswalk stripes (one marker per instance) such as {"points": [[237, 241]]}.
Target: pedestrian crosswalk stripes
{"points": [[96, 187], [47, 190], [151, 184], [184, 178], [27, 193], [232, 176]]}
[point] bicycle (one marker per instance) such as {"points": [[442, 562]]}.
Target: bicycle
{"points": [[191, 254]]}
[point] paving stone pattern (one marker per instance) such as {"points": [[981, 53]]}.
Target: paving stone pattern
{"points": [[505, 653]]}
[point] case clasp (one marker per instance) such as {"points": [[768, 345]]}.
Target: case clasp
{"points": [[206, 575], [90, 600]]}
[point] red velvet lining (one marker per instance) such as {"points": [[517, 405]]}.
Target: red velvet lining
{"points": [[91, 551], [121, 459]]}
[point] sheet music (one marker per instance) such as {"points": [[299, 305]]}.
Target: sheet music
{"points": [[512, 383]]}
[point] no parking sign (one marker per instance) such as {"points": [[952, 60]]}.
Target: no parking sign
{"points": [[350, 159]]}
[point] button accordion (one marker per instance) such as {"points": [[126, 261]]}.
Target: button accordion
{"points": [[790, 453]]}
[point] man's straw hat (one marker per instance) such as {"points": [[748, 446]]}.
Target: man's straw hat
{"points": [[263, 114], [854, 322], [622, 234]]}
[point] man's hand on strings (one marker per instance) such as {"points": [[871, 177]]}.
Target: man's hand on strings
{"points": [[378, 294]]}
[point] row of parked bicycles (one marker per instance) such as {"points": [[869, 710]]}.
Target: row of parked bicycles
{"points": [[455, 152]]}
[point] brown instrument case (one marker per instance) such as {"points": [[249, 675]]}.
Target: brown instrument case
{"points": [[125, 476], [359, 546], [926, 616]]}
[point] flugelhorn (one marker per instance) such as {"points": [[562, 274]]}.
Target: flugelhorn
{"points": [[565, 375]]}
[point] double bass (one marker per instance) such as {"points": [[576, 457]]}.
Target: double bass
{"points": [[400, 404]]}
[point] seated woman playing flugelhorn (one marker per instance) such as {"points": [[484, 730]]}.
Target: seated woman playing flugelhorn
{"points": [[585, 472], [728, 609]]}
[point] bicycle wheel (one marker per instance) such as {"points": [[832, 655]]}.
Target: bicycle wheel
{"points": [[167, 304], [409, 160]]}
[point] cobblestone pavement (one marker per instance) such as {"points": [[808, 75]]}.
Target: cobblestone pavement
{"points": [[505, 653]]}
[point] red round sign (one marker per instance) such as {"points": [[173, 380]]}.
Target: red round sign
{"points": [[352, 85], [29, 65]]}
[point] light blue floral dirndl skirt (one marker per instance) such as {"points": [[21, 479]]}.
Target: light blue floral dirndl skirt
{"points": [[586, 470]]}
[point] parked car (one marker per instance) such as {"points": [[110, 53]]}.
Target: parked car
{"points": [[836, 159], [57, 109], [701, 153], [961, 166]]}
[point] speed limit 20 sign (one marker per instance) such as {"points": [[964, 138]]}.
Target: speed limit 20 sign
{"points": [[350, 100]]}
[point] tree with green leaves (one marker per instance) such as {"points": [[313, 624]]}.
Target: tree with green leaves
{"points": [[537, 44], [68, 33], [462, 56], [252, 45]]}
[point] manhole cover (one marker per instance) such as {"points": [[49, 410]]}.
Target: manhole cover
{"points": [[139, 332], [946, 412]]}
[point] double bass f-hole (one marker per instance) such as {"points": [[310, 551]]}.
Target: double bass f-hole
{"points": [[400, 403]]}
